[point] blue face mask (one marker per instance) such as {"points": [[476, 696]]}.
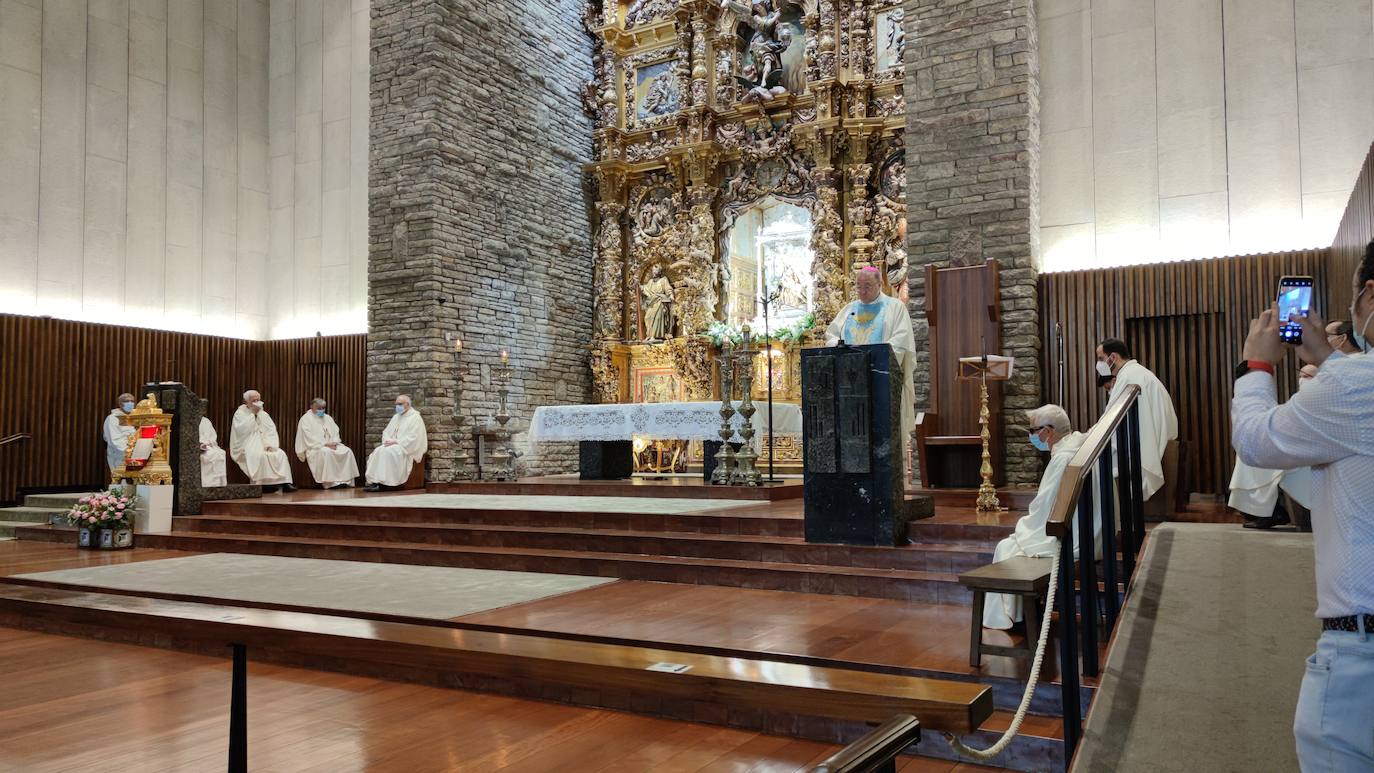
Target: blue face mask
{"points": [[1039, 444], [400, 409], [319, 412], [127, 407]]}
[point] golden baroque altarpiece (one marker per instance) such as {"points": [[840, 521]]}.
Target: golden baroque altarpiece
{"points": [[705, 109]]}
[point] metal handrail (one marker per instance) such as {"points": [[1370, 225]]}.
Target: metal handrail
{"points": [[4, 441], [877, 751], [1099, 437]]}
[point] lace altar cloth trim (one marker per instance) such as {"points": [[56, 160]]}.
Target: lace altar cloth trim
{"points": [[654, 421]]}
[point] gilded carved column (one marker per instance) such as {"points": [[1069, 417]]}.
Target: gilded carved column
{"points": [[608, 283], [860, 246], [827, 266], [699, 290]]}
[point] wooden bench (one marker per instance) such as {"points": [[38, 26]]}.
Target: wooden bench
{"points": [[1028, 578]]}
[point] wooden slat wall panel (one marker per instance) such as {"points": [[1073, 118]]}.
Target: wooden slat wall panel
{"points": [[58, 380], [1186, 321], [1356, 231]]}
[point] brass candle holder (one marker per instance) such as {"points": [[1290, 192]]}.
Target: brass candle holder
{"points": [[746, 472], [505, 453], [725, 457]]}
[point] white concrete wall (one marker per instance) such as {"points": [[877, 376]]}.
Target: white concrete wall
{"points": [[318, 143], [1176, 129], [141, 163]]}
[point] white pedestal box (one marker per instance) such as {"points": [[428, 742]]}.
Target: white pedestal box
{"points": [[154, 509]]}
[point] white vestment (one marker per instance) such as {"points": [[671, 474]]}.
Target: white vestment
{"points": [[1158, 422], [211, 456], [116, 439], [249, 438], [886, 320], [391, 465], [1000, 610], [1255, 491], [330, 466]]}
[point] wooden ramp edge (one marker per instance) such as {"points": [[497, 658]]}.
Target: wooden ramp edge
{"points": [[577, 666]]}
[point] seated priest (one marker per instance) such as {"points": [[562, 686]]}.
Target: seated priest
{"points": [[1158, 422], [317, 443], [880, 319], [254, 446], [117, 435], [404, 442], [1255, 491], [1050, 431], [212, 472]]}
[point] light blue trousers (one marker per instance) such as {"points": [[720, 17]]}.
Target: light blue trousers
{"points": [[1334, 725]]}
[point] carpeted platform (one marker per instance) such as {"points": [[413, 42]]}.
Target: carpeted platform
{"points": [[397, 589], [1209, 655], [631, 505]]}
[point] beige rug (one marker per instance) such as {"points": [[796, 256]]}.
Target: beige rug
{"points": [[354, 586], [631, 505]]}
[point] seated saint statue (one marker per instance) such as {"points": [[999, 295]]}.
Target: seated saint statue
{"points": [[117, 435], [254, 445], [876, 318], [1051, 431], [317, 442], [211, 456], [404, 442]]}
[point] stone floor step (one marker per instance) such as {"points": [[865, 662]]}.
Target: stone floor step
{"points": [[28, 514], [63, 500], [947, 558]]}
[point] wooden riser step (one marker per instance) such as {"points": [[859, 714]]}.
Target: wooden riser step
{"points": [[759, 524], [902, 585], [946, 558], [676, 488]]}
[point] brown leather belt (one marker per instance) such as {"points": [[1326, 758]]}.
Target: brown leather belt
{"points": [[1349, 623]]}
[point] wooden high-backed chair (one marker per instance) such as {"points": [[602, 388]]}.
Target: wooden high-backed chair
{"points": [[962, 310]]}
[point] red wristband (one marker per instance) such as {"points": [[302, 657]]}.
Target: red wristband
{"points": [[1260, 365]]}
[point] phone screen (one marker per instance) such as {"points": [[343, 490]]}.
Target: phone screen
{"points": [[1295, 300]]}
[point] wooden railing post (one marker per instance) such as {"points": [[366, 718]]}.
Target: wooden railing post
{"points": [[1068, 651], [1107, 494], [238, 712]]}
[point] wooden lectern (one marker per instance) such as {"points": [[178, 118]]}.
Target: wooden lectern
{"points": [[984, 368]]}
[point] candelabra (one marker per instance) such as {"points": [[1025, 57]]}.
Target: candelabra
{"points": [[987, 493], [461, 459], [505, 453], [745, 472], [725, 457]]}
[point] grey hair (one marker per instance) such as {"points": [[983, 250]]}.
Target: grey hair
{"points": [[407, 397], [1051, 416], [251, 392], [122, 397], [318, 401]]}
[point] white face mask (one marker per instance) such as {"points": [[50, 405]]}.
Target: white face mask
{"points": [[258, 405], [1104, 369], [1361, 342]]}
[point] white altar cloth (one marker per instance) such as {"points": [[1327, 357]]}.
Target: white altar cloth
{"points": [[654, 421]]}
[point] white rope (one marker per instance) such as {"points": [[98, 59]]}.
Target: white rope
{"points": [[996, 749]]}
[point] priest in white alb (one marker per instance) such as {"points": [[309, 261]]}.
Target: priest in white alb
{"points": [[318, 444], [1050, 431], [404, 442], [1158, 422], [117, 435], [1254, 491], [876, 318], [254, 446], [212, 472]]}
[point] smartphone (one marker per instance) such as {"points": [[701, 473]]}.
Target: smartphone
{"points": [[1295, 300]]}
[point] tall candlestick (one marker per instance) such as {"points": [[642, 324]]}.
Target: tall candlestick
{"points": [[457, 346], [505, 357]]}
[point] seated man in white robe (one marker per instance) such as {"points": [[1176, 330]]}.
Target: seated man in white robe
{"points": [[1158, 422], [317, 443], [404, 442], [254, 446], [212, 472], [117, 435], [877, 319], [1255, 491], [1051, 431]]}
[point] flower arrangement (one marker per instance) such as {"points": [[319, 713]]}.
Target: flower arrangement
{"points": [[108, 510], [719, 332]]}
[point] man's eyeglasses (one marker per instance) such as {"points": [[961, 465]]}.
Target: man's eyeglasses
{"points": [[1042, 426]]}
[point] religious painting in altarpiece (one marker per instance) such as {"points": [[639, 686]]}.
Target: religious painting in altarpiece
{"points": [[748, 154]]}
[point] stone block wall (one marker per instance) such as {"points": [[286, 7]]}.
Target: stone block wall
{"points": [[973, 147], [479, 223]]}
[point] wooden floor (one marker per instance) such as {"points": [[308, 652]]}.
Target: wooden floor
{"points": [[75, 705]]}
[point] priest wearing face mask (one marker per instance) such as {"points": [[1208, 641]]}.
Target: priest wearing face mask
{"points": [[1158, 422], [317, 443], [117, 435], [1050, 431], [876, 318], [1341, 335], [255, 447], [404, 442]]}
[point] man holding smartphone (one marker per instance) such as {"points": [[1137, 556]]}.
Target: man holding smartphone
{"points": [[1329, 425]]}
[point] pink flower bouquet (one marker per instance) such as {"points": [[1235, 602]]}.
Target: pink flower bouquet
{"points": [[106, 510]]}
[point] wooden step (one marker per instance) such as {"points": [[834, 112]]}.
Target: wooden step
{"points": [[724, 690], [760, 522], [903, 585], [675, 487], [948, 558]]}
